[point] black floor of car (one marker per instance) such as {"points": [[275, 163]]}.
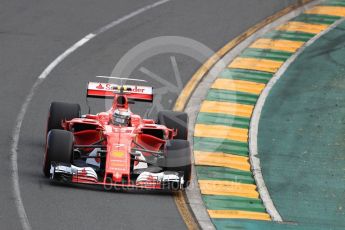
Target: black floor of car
{"points": [[151, 169]]}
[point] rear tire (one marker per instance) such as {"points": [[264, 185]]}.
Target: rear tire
{"points": [[59, 148], [175, 120], [178, 158], [60, 111]]}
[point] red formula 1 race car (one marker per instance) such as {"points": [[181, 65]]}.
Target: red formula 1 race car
{"points": [[117, 148]]}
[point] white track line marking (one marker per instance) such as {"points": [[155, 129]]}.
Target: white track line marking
{"points": [[23, 218], [254, 127]]}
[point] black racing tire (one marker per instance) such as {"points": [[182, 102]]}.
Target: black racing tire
{"points": [[175, 120], [178, 158], [59, 148], [60, 111]]}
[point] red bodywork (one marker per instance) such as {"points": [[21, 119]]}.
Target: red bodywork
{"points": [[119, 141]]}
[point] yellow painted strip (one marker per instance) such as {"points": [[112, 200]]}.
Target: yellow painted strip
{"points": [[238, 214], [220, 131], [227, 108], [327, 10], [228, 188], [222, 160], [303, 27], [238, 85], [256, 64], [198, 76], [181, 204], [282, 45]]}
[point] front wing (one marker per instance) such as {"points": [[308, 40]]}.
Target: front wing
{"points": [[167, 180]]}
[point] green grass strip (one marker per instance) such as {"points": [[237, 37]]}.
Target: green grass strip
{"points": [[224, 174], [232, 96], [288, 35], [220, 145], [246, 75], [274, 55], [334, 3], [316, 19], [223, 119], [233, 203]]}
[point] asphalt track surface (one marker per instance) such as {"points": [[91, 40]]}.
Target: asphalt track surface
{"points": [[33, 34]]}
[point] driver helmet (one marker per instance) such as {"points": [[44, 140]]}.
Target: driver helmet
{"points": [[121, 117]]}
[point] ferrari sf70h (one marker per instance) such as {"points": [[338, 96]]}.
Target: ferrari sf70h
{"points": [[117, 148]]}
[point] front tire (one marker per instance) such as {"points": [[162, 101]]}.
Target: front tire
{"points": [[59, 148], [179, 159], [60, 111]]}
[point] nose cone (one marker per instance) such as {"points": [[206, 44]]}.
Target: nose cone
{"points": [[118, 157]]}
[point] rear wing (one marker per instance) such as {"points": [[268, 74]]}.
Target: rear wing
{"points": [[109, 90]]}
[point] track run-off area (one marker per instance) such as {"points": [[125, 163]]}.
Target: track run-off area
{"points": [[301, 136], [293, 73]]}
